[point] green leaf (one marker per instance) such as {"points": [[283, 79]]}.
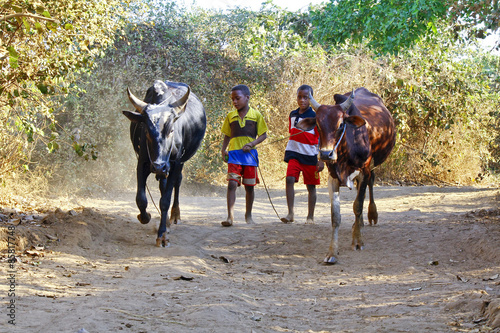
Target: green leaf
{"points": [[432, 26], [68, 26], [52, 26], [16, 9], [39, 27], [43, 88], [26, 24], [13, 57], [78, 149]]}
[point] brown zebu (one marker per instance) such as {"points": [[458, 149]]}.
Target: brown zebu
{"points": [[356, 135]]}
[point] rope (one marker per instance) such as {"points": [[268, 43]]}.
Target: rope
{"points": [[258, 167], [278, 140], [264, 183], [260, 171], [147, 187]]}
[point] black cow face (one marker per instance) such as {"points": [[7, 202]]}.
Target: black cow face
{"points": [[158, 121]]}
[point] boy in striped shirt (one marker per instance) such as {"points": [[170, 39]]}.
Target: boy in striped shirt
{"points": [[301, 154]]}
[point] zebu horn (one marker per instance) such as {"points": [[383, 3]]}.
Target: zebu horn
{"points": [[315, 105], [137, 103], [347, 104], [183, 100], [180, 106]]}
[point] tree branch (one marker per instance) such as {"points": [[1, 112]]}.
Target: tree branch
{"points": [[8, 17]]}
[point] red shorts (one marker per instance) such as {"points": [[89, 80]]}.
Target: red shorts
{"points": [[245, 174], [309, 172]]}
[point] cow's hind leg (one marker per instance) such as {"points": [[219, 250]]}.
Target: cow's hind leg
{"points": [[334, 192], [372, 208], [141, 199], [357, 227], [175, 212]]}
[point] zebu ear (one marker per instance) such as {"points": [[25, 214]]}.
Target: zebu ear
{"points": [[355, 121], [135, 117], [180, 105], [339, 99], [306, 124]]}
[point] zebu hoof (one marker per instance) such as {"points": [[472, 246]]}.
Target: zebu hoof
{"points": [[330, 260], [161, 242], [372, 220], [175, 215], [144, 220], [372, 214], [358, 247]]}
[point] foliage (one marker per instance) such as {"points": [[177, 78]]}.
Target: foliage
{"points": [[441, 97], [434, 92], [44, 44], [390, 26], [208, 50], [492, 70], [442, 94], [475, 17]]}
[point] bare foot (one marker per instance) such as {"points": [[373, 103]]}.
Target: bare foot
{"points": [[249, 220], [227, 223], [287, 219]]}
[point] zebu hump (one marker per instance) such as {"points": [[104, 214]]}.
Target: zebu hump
{"points": [[380, 124]]}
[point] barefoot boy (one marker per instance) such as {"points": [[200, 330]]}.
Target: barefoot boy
{"points": [[301, 154], [243, 129]]}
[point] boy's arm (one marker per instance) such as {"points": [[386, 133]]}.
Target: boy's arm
{"points": [[223, 150], [320, 166]]}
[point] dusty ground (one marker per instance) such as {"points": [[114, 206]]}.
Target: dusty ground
{"points": [[430, 265]]}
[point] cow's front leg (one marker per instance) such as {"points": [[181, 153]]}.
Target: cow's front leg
{"points": [[141, 198], [166, 187], [357, 227], [175, 212], [334, 192]]}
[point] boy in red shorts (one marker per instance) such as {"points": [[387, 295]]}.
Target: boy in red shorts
{"points": [[301, 154], [243, 129]]}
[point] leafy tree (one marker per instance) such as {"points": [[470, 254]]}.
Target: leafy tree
{"points": [[478, 18], [388, 26], [44, 44]]}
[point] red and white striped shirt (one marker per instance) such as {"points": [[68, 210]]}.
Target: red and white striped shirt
{"points": [[302, 145]]}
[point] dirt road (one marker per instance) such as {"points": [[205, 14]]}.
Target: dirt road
{"points": [[430, 265]]}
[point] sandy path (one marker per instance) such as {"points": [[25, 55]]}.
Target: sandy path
{"points": [[428, 266]]}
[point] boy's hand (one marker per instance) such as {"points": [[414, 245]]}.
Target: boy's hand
{"points": [[246, 148], [320, 166], [225, 156]]}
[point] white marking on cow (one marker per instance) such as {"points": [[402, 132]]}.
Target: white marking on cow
{"points": [[350, 179]]}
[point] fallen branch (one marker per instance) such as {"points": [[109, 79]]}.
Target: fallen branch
{"points": [[439, 180]]}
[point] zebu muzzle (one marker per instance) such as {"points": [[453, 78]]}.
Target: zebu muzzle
{"points": [[328, 155], [160, 169]]}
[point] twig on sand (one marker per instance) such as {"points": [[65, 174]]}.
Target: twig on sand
{"points": [[144, 317]]}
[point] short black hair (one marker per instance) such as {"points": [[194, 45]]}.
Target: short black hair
{"points": [[243, 88], [305, 87]]}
